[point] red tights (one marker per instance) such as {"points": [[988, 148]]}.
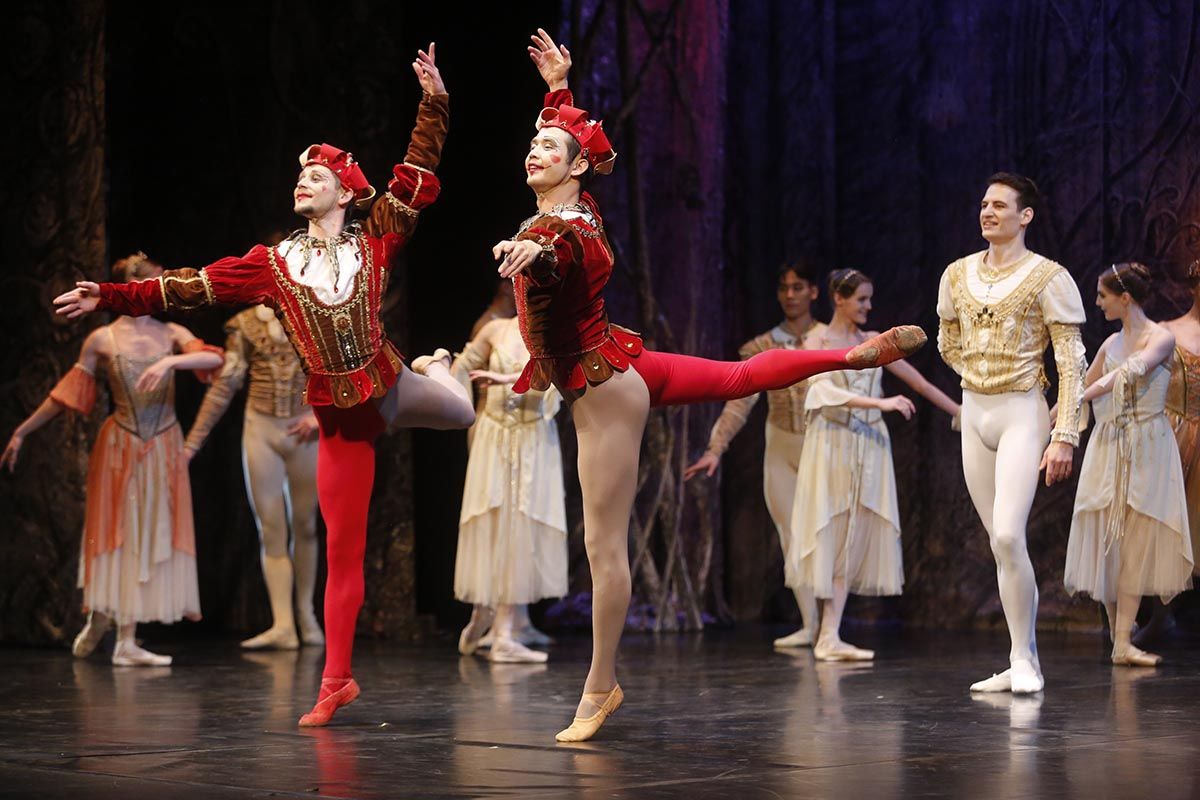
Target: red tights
{"points": [[678, 380], [345, 475]]}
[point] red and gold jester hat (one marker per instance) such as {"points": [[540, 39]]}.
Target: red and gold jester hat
{"points": [[593, 143], [341, 164]]}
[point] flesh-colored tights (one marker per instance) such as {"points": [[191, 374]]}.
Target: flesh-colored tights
{"points": [[1003, 438]]}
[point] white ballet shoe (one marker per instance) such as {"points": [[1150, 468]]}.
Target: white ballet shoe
{"points": [[92, 634], [1024, 678], [310, 632], [420, 364], [468, 640], [801, 638], [487, 640], [1000, 682], [508, 651], [531, 636], [128, 654], [273, 639], [841, 651]]}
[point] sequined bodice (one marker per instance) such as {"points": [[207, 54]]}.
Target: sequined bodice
{"points": [[1183, 393]]}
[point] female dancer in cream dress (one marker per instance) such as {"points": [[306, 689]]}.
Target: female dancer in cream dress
{"points": [[138, 558], [845, 518], [512, 535], [1129, 533]]}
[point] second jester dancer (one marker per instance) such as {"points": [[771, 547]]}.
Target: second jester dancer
{"points": [[327, 288], [998, 310], [560, 262]]}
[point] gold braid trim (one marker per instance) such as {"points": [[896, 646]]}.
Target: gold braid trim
{"points": [[1071, 360], [177, 288], [401, 207]]}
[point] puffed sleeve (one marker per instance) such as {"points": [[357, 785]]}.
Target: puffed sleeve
{"points": [[561, 247], [414, 186], [230, 281], [560, 97], [1062, 310], [76, 390], [949, 328]]}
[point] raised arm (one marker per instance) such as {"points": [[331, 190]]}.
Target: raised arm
{"points": [[553, 62], [414, 186], [75, 391]]}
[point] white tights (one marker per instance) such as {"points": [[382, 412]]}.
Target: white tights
{"points": [[1003, 438], [781, 464]]}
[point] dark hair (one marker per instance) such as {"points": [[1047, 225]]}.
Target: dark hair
{"points": [[845, 282], [573, 151], [803, 267], [1028, 195], [134, 267], [1129, 276]]}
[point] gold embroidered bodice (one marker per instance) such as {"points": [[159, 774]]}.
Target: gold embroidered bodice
{"points": [[999, 346], [1183, 394]]}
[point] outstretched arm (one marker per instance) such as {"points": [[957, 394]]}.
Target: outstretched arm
{"points": [[553, 61], [76, 392], [921, 385]]}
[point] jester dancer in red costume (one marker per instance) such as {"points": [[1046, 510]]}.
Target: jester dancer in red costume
{"points": [[559, 262], [326, 287]]}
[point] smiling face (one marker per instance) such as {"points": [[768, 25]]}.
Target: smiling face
{"points": [[1001, 219], [795, 295], [1113, 305], [318, 191], [549, 163], [857, 306]]}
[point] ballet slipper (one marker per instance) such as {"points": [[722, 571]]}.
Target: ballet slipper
{"points": [[310, 631], [92, 634], [1025, 678], [999, 682], [891, 345], [479, 625], [801, 638], [1134, 657], [510, 651], [488, 639], [128, 654], [273, 639], [841, 651], [584, 728], [531, 636], [322, 712], [421, 363]]}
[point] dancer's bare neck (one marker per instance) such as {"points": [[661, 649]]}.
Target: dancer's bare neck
{"points": [[1003, 254]]}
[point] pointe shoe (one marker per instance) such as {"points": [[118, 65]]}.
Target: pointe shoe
{"points": [[841, 651], [582, 729], [1025, 678], [1000, 682], [531, 636], [92, 634], [1134, 657], [510, 651], [273, 639], [478, 628], [801, 638], [891, 345], [310, 632], [128, 654], [322, 712], [487, 640], [421, 363]]}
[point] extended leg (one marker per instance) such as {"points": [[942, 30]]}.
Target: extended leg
{"points": [[433, 400], [609, 421]]}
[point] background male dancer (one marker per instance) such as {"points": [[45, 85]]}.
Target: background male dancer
{"points": [[796, 292], [998, 310], [327, 287], [279, 458]]}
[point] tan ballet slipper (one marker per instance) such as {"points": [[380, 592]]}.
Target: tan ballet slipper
{"points": [[584, 728], [891, 345]]}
